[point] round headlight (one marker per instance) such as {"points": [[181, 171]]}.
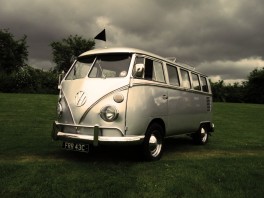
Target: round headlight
{"points": [[109, 113], [59, 110]]}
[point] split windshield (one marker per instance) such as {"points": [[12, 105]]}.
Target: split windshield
{"points": [[100, 66]]}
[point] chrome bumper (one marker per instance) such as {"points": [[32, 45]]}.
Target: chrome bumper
{"points": [[94, 139]]}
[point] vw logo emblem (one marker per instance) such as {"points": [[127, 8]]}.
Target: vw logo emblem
{"points": [[80, 99]]}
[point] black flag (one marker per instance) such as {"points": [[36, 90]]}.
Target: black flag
{"points": [[101, 36]]}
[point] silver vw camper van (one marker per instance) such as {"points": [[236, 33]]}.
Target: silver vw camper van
{"points": [[125, 95]]}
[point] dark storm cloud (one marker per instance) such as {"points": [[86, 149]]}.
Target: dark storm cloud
{"points": [[215, 30], [42, 22], [196, 30], [204, 33]]}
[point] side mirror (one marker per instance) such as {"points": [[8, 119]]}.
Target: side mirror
{"points": [[138, 70], [61, 76]]}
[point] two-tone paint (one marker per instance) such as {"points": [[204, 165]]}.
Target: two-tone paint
{"points": [[138, 102]]}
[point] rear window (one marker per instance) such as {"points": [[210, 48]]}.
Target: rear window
{"points": [[204, 84]]}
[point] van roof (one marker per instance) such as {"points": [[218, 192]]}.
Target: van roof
{"points": [[120, 50], [137, 51]]}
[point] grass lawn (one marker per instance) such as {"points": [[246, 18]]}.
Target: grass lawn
{"points": [[32, 165]]}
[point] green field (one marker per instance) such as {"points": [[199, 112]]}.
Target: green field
{"points": [[32, 165]]}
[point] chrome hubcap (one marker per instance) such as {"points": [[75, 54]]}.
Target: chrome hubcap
{"points": [[154, 145], [203, 135]]}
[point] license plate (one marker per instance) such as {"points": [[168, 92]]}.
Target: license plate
{"points": [[76, 147]]}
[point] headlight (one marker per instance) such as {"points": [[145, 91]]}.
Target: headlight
{"points": [[59, 110], [109, 113]]}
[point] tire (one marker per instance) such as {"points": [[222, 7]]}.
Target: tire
{"points": [[153, 143], [201, 136]]}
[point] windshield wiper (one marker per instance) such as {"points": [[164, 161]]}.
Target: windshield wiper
{"points": [[74, 70], [99, 64]]}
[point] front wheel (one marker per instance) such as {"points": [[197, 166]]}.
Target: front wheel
{"points": [[201, 136], [153, 142]]}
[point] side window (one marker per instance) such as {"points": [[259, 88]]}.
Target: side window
{"points": [[158, 70], [173, 75], [138, 60], [185, 79], [148, 70], [154, 71], [204, 84], [196, 82]]}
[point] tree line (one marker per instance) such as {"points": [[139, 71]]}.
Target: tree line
{"points": [[250, 91], [16, 76]]}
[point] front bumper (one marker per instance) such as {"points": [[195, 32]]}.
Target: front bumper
{"points": [[95, 139]]}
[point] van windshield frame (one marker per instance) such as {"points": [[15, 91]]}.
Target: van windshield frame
{"points": [[80, 68], [109, 65]]}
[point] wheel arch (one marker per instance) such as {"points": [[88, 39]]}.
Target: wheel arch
{"points": [[161, 123], [208, 125]]}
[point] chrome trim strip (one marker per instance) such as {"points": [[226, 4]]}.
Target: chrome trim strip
{"points": [[66, 100], [85, 126], [171, 87], [101, 138]]}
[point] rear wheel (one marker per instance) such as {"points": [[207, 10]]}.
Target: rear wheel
{"points": [[201, 136], [153, 142]]}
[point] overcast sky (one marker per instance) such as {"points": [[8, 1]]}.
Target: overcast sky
{"points": [[221, 38]]}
